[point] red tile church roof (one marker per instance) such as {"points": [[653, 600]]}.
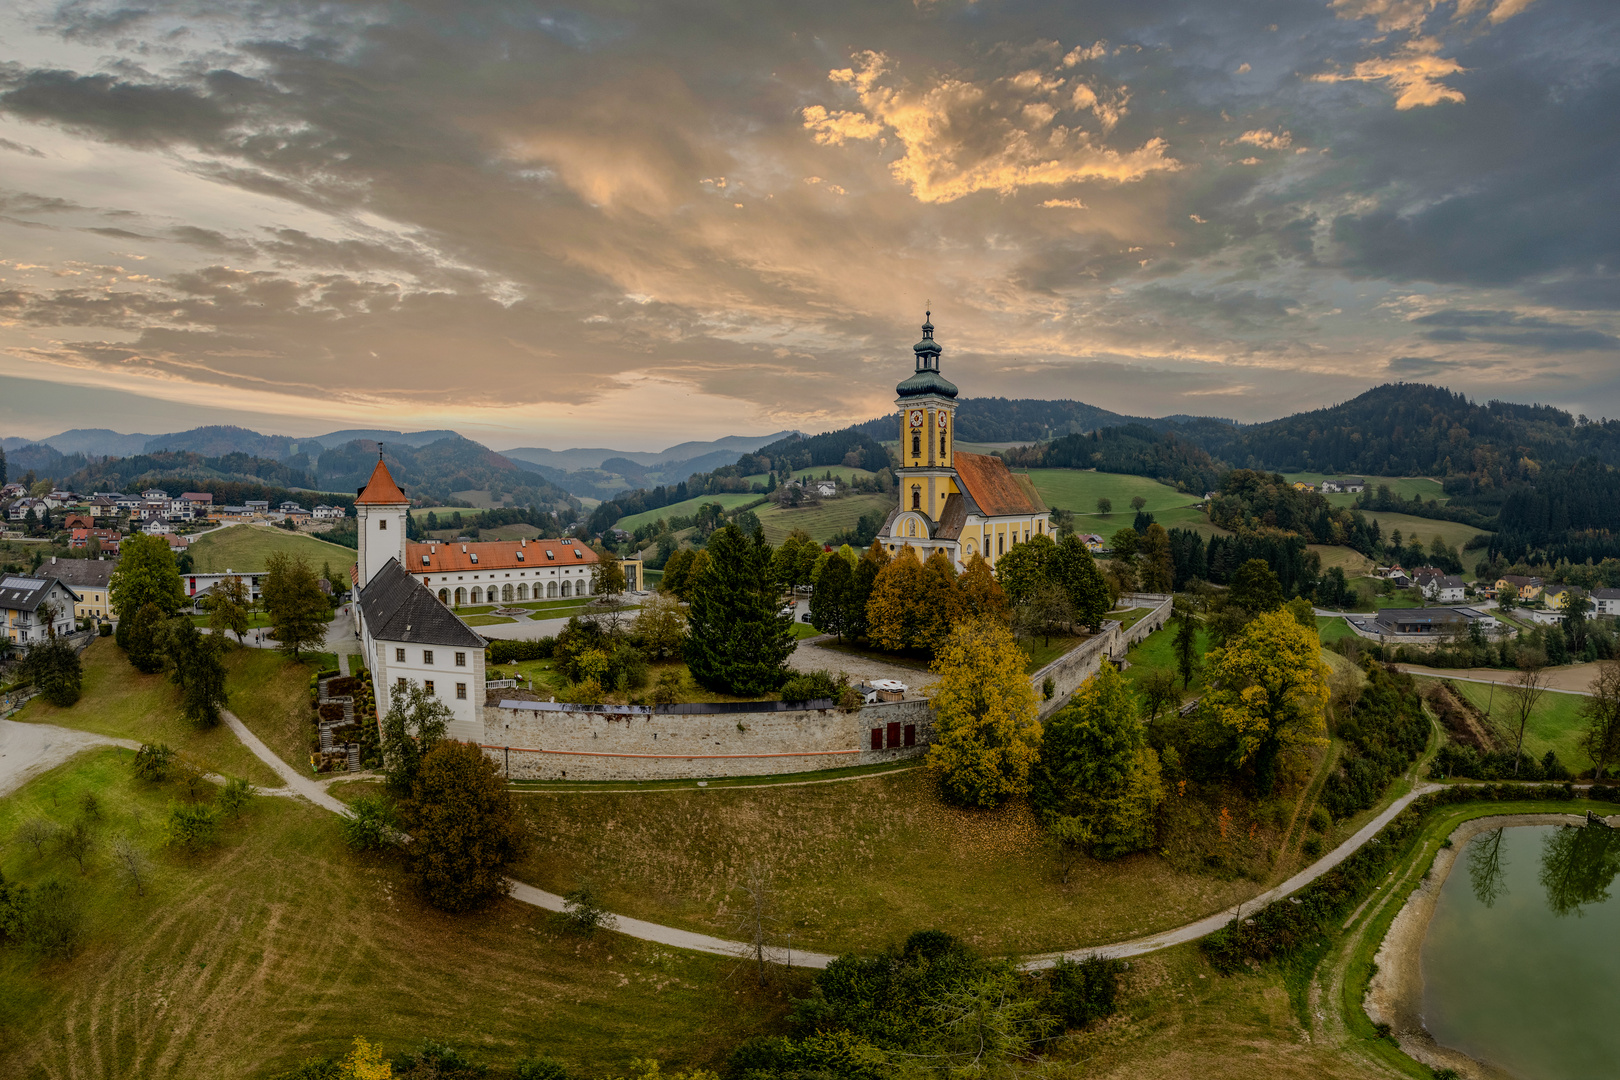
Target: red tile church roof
{"points": [[381, 488], [995, 488]]}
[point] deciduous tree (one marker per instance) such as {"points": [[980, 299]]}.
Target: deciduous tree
{"points": [[1271, 692], [145, 574], [53, 667], [986, 735], [416, 722], [894, 613], [465, 830], [298, 609], [1021, 570], [871, 563], [982, 596], [1072, 567], [1096, 768], [829, 604], [228, 604], [1601, 739], [1157, 566], [1524, 693]]}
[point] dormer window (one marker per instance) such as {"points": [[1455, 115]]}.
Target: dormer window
{"points": [[475, 558], [550, 554], [520, 556], [424, 560], [578, 554]]}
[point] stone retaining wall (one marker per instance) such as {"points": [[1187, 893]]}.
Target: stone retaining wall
{"points": [[538, 740], [1077, 665]]}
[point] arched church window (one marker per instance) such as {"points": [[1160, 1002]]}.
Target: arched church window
{"points": [[942, 446], [916, 498], [916, 446]]}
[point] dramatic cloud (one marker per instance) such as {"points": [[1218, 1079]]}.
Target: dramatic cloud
{"points": [[634, 224]]}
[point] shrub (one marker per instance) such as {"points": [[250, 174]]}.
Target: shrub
{"points": [[465, 829], [236, 796], [53, 919], [106, 629], [373, 824], [1048, 688], [13, 908], [585, 912], [814, 686], [511, 652], [435, 1060], [154, 762], [1085, 991], [1312, 847], [541, 1068], [192, 827], [1320, 819]]}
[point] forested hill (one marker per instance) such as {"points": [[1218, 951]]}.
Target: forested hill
{"points": [[1412, 429], [991, 420], [1132, 448]]}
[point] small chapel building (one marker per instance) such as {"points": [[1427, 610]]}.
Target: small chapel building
{"points": [[954, 503]]}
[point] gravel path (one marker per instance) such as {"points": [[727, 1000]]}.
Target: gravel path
{"points": [[26, 750], [812, 657]]}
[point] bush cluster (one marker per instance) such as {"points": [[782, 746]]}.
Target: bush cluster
{"points": [[1384, 733], [511, 652]]}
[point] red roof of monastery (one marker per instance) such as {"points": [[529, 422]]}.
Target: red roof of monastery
{"points": [[381, 488], [998, 491], [441, 558]]}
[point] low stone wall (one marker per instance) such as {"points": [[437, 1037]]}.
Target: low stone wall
{"points": [[540, 740], [1077, 665]]}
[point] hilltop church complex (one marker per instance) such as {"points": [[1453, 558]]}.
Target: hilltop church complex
{"points": [[952, 503]]}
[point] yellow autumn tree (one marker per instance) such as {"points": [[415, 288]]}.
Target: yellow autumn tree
{"points": [[892, 612], [365, 1062], [982, 597], [940, 606], [1272, 691], [986, 735]]}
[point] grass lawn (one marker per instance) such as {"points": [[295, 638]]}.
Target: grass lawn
{"points": [[270, 694], [257, 620], [823, 521], [1333, 629], [846, 473], [121, 702], [1555, 725], [857, 864], [246, 547], [281, 945], [686, 508], [487, 620], [1156, 652], [1077, 490], [802, 630], [548, 680]]}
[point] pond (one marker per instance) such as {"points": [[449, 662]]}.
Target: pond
{"points": [[1521, 963]]}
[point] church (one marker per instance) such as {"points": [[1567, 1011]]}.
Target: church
{"points": [[951, 502]]}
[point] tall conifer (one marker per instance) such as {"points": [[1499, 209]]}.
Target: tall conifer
{"points": [[736, 641]]}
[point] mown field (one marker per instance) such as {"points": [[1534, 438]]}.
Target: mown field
{"points": [[120, 702], [684, 508], [1556, 724], [821, 522], [247, 547], [1455, 533], [1404, 486], [1077, 490], [281, 945]]}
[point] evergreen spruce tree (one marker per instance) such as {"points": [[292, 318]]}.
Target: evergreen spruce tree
{"points": [[736, 642], [1073, 569]]}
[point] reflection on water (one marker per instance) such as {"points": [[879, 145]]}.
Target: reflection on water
{"points": [[1520, 965]]}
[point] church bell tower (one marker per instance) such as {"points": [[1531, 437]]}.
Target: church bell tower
{"points": [[927, 406]]}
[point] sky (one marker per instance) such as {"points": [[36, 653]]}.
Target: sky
{"points": [[634, 224]]}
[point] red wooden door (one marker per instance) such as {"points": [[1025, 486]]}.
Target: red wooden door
{"points": [[877, 738], [894, 735]]}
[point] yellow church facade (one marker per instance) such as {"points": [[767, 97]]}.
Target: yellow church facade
{"points": [[951, 502]]}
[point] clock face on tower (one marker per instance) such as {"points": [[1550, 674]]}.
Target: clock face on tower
{"points": [[916, 418], [942, 421]]}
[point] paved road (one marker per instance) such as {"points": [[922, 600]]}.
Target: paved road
{"points": [[26, 750], [1571, 679]]}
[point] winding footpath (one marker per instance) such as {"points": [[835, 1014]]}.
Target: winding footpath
{"points": [[316, 793], [27, 750]]}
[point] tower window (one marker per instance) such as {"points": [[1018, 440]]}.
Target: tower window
{"points": [[382, 523], [916, 446], [916, 498], [942, 446]]}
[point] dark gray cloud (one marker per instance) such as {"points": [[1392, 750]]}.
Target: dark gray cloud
{"points": [[1510, 328]]}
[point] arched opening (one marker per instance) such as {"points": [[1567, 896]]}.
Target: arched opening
{"points": [[506, 592], [568, 588], [916, 446], [461, 596], [551, 589], [444, 596], [1001, 543], [942, 446], [916, 498], [523, 592], [588, 588]]}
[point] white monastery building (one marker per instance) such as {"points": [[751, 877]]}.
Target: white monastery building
{"points": [[954, 503], [406, 633]]}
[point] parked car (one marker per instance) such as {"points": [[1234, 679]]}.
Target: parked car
{"points": [[788, 611], [805, 617]]}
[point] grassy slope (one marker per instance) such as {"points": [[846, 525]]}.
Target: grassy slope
{"points": [[1333, 629], [1455, 533], [821, 522], [1353, 562], [1157, 651], [121, 702], [246, 547], [685, 508], [1078, 490], [282, 945], [1404, 486], [1555, 725], [856, 864], [270, 694], [846, 473]]}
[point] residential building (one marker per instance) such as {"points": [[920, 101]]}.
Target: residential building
{"points": [[197, 585], [407, 634], [503, 571], [32, 607], [330, 513], [201, 500], [152, 494], [1300, 485], [1527, 589], [58, 499], [1094, 543], [1354, 487], [78, 521], [1606, 601], [1559, 597], [258, 506], [953, 503], [109, 538], [89, 579], [19, 509], [158, 526], [1445, 588]]}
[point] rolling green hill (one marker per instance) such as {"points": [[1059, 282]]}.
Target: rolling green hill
{"points": [[823, 521], [246, 547]]}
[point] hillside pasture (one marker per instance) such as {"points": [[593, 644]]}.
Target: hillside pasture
{"points": [[684, 508], [1556, 724], [1403, 486], [823, 521], [1455, 532], [846, 473], [247, 548], [1078, 490], [1351, 561]]}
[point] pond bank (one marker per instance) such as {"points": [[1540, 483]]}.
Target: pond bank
{"points": [[1395, 992]]}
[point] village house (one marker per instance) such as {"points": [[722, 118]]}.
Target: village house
{"points": [[157, 526], [89, 579], [33, 607], [109, 539], [329, 513], [1560, 597], [1606, 601], [1526, 589]]}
